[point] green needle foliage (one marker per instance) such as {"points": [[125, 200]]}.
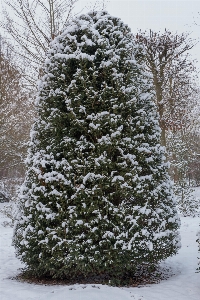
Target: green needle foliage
{"points": [[97, 198]]}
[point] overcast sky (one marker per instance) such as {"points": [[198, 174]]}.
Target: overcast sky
{"points": [[176, 15]]}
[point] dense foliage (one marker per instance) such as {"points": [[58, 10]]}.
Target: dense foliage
{"points": [[97, 196]]}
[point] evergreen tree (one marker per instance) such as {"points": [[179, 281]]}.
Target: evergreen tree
{"points": [[187, 203], [180, 158], [97, 197]]}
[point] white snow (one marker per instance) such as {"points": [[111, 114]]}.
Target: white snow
{"points": [[182, 285]]}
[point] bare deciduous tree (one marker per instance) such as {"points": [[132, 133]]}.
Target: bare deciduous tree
{"points": [[167, 61], [34, 25], [177, 92], [16, 114]]}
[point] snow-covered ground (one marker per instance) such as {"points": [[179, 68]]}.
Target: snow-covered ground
{"points": [[184, 284]]}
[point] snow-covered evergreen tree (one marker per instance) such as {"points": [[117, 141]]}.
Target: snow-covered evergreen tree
{"points": [[97, 196], [187, 203], [180, 157]]}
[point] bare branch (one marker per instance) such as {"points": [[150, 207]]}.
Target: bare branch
{"points": [[36, 23]]}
